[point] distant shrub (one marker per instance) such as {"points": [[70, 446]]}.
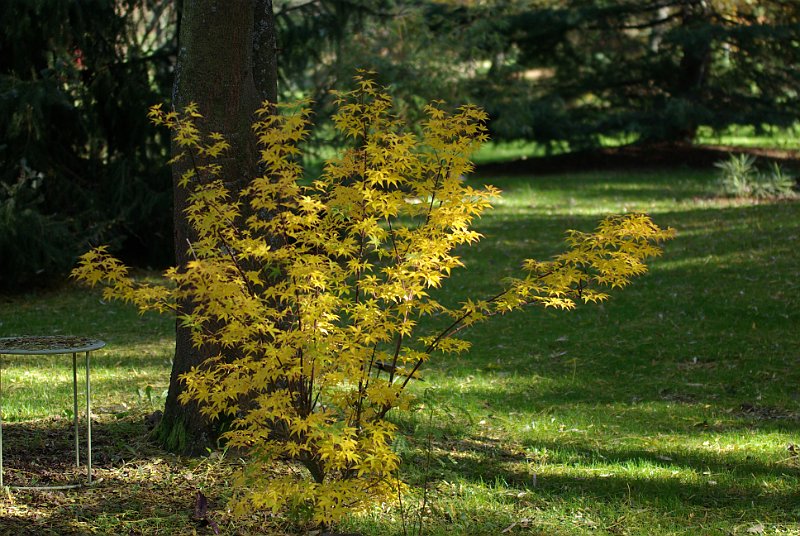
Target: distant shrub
{"points": [[740, 176]]}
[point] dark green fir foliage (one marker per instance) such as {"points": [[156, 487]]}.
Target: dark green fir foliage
{"points": [[79, 163]]}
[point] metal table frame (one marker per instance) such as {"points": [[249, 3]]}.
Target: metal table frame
{"points": [[49, 346]]}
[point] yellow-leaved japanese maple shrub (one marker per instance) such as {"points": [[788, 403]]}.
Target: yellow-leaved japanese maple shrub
{"points": [[315, 293]]}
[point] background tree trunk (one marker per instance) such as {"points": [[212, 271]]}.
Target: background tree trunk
{"points": [[227, 65]]}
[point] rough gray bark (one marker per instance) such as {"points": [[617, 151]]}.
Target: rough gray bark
{"points": [[227, 65]]}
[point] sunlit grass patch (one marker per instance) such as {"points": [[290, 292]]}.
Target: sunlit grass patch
{"points": [[138, 353], [744, 136]]}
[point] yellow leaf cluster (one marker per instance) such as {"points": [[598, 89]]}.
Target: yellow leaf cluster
{"points": [[314, 292]]}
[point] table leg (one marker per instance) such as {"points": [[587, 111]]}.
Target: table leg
{"points": [[75, 408], [88, 424]]}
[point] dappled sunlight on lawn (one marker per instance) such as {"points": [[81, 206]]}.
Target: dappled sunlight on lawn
{"points": [[672, 408]]}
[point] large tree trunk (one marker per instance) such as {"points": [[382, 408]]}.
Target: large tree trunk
{"points": [[227, 65]]}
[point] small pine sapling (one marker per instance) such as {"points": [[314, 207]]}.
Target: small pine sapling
{"points": [[317, 295]]}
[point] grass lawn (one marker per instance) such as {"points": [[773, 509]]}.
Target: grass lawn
{"points": [[786, 139], [674, 408]]}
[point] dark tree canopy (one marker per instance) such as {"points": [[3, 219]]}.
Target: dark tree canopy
{"points": [[652, 70], [79, 163], [554, 71]]}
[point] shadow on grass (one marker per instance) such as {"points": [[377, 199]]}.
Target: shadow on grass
{"points": [[705, 345], [712, 323], [581, 472], [701, 231], [135, 485], [602, 187]]}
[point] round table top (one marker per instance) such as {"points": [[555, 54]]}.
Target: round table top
{"points": [[54, 344]]}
